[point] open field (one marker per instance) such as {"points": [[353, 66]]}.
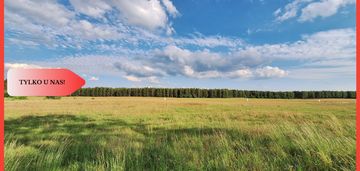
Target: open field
{"points": [[123, 133]]}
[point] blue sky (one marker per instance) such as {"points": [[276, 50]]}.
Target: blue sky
{"points": [[248, 44]]}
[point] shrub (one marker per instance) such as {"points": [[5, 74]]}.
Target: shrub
{"points": [[53, 97], [17, 97]]}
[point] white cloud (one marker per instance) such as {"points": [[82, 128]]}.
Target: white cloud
{"points": [[22, 42], [123, 25], [289, 11], [25, 28], [170, 8], [52, 24], [140, 23], [309, 10], [250, 61], [321, 73], [270, 72], [8, 66], [324, 45], [86, 64], [94, 9], [42, 12], [137, 69], [265, 72], [277, 12], [241, 73], [20, 65], [93, 78], [188, 71], [338, 44], [151, 80], [208, 41], [149, 14], [245, 62], [132, 78], [204, 64], [89, 31], [324, 8]]}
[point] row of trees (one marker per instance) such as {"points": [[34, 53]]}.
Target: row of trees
{"points": [[210, 93]]}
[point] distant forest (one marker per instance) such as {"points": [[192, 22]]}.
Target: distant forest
{"points": [[210, 93], [207, 93]]}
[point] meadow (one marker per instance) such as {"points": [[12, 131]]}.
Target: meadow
{"points": [[138, 133]]}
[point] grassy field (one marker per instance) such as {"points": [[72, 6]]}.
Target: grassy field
{"points": [[109, 133]]}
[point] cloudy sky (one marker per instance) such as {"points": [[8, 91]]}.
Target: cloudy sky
{"points": [[247, 44]]}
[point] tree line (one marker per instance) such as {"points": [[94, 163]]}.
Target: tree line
{"points": [[210, 93]]}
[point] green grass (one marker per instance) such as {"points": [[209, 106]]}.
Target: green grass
{"points": [[108, 133]]}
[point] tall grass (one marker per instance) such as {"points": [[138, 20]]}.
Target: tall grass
{"points": [[189, 135]]}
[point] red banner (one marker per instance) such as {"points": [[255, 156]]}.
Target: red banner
{"points": [[42, 82]]}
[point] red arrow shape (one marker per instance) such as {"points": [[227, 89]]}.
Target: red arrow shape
{"points": [[42, 82]]}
